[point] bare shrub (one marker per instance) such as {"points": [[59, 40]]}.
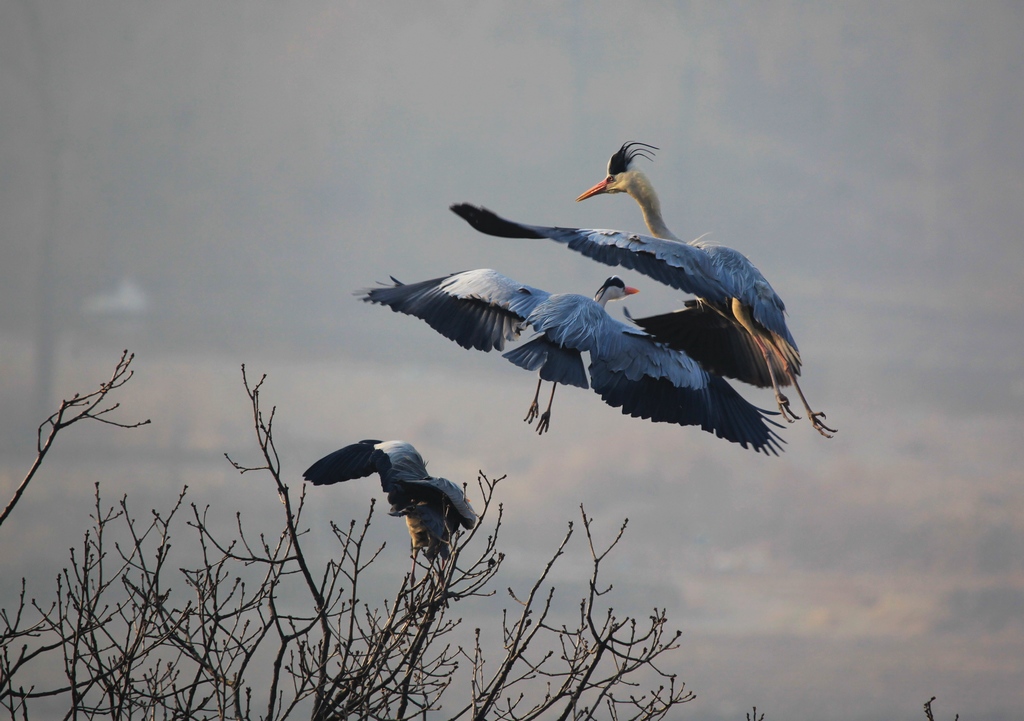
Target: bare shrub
{"points": [[261, 632]]}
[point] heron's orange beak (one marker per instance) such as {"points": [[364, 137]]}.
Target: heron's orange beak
{"points": [[596, 190], [631, 291]]}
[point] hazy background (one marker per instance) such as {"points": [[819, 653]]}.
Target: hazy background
{"points": [[239, 169]]}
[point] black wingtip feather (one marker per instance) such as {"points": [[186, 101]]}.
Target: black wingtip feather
{"points": [[740, 421], [490, 223]]}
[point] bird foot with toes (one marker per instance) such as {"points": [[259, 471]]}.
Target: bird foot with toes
{"points": [[819, 426], [785, 410]]}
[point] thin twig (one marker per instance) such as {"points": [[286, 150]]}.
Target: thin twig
{"points": [[71, 411]]}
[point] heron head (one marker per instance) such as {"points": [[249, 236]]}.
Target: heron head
{"points": [[620, 174], [613, 289]]}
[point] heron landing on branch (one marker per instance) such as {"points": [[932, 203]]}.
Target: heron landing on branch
{"points": [[433, 507]]}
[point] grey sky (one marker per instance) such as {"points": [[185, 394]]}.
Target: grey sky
{"points": [[250, 165]]}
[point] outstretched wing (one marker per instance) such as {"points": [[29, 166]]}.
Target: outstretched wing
{"points": [[715, 273], [478, 309], [709, 334], [393, 460], [354, 461], [629, 370], [672, 262]]}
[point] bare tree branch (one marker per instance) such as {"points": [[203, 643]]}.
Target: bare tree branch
{"points": [[71, 411], [928, 710]]}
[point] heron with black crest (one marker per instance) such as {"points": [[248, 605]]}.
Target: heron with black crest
{"points": [[735, 328]]}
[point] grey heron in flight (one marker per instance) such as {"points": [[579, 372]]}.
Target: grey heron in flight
{"points": [[482, 309], [737, 326], [433, 507]]}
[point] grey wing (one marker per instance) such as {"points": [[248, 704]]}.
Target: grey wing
{"points": [[392, 460], [672, 262], [645, 379], [478, 309], [344, 464], [741, 279]]}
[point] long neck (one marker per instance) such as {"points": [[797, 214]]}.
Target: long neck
{"points": [[641, 190]]}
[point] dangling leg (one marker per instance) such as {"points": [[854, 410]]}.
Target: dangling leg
{"points": [[534, 407], [780, 397], [545, 419], [742, 315], [814, 416], [791, 373]]}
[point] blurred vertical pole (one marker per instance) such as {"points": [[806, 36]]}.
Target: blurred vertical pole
{"points": [[45, 341]]}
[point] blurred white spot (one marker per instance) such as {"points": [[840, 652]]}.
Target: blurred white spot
{"points": [[126, 300]]}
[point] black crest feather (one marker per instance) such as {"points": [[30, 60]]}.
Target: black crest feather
{"points": [[619, 162]]}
